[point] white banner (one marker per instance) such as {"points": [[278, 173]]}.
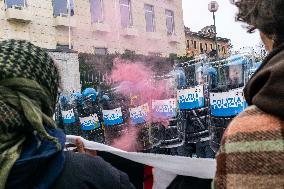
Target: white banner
{"points": [[194, 167]]}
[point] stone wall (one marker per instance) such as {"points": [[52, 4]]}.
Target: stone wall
{"points": [[68, 65]]}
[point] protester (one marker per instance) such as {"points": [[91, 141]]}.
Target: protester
{"points": [[252, 148], [31, 146]]}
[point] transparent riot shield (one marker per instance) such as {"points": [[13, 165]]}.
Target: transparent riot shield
{"points": [[173, 135], [167, 127], [139, 121], [224, 107], [91, 120], [143, 138], [69, 112], [155, 134], [216, 130], [115, 118]]}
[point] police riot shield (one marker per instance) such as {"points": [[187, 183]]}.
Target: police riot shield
{"points": [[69, 110], [224, 107], [91, 120], [115, 118]]}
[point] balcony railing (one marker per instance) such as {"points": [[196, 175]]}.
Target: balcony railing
{"points": [[129, 32], [18, 14], [154, 36], [63, 21], [174, 38], [101, 27]]}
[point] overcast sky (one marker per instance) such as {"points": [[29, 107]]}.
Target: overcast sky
{"points": [[196, 16]]}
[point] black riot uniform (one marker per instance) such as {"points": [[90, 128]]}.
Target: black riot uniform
{"points": [[92, 109]]}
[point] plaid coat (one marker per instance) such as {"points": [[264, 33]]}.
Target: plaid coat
{"points": [[252, 153]]}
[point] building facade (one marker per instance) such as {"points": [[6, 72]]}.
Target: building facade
{"points": [[148, 27], [203, 42]]}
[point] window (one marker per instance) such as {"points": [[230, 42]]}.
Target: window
{"points": [[206, 47], [60, 8], [219, 50], [15, 3], [96, 11], [150, 18], [211, 45], [71, 7], [194, 45], [101, 51], [187, 44], [201, 48], [125, 12], [170, 22]]}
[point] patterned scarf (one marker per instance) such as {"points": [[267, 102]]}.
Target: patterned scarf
{"points": [[28, 89]]}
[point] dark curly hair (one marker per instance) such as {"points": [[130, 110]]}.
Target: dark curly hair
{"points": [[265, 15]]}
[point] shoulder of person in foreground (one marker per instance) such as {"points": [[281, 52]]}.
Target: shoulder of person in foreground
{"points": [[89, 172], [252, 152]]}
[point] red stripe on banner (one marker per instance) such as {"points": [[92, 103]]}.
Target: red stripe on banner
{"points": [[148, 177]]}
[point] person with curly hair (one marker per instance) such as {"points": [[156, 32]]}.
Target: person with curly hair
{"points": [[252, 149]]}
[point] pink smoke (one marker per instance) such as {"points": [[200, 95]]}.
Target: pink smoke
{"points": [[125, 70], [136, 81], [127, 142]]}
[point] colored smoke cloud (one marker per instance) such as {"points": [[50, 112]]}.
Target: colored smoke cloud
{"points": [[136, 81], [127, 142]]}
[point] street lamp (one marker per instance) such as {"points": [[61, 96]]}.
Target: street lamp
{"points": [[69, 23], [213, 7]]}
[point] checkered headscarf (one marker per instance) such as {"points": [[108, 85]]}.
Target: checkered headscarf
{"points": [[23, 59], [28, 89]]}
